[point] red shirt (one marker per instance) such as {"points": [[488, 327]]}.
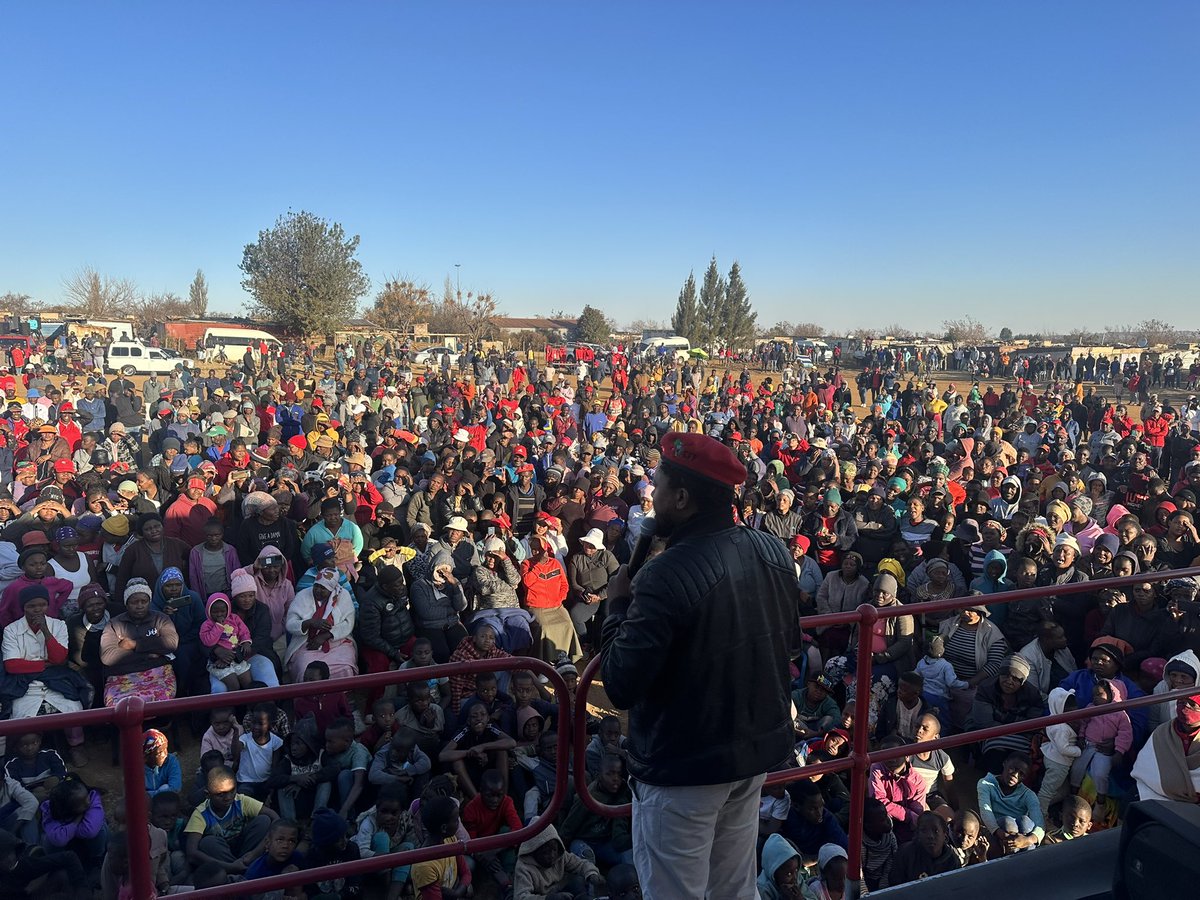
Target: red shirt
{"points": [[483, 822]]}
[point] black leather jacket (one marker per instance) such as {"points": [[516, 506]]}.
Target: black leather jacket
{"points": [[701, 659]]}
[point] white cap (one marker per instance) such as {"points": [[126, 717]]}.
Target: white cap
{"points": [[458, 523], [595, 538]]}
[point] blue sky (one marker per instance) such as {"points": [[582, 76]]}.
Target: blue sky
{"points": [[1033, 164]]}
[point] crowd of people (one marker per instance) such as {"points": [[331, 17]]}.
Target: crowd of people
{"points": [[276, 521]]}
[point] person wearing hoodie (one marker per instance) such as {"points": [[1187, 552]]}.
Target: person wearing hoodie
{"points": [[1059, 751], [184, 608], [1182, 671], [545, 869], [1008, 503], [781, 865], [1081, 526], [1105, 740], [994, 580]]}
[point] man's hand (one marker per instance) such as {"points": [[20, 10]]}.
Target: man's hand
{"points": [[620, 590]]}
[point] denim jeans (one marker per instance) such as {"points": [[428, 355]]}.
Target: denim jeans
{"points": [[381, 843], [344, 781], [602, 853], [261, 669]]}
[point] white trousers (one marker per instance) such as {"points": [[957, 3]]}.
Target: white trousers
{"points": [[697, 842]]}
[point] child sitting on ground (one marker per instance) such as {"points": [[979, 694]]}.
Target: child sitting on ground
{"points": [[35, 769], [255, 755], [165, 813], [816, 709], [323, 707], [402, 765], [223, 731], [422, 656], [387, 828], [296, 773], [608, 739], [939, 678], [1076, 818], [209, 760], [545, 868], [448, 876], [228, 632], [383, 725], [425, 718], [279, 856], [490, 812]]}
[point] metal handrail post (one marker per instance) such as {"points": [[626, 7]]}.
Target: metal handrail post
{"points": [[129, 715]]}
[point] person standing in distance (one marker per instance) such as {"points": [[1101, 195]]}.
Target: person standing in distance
{"points": [[696, 648]]}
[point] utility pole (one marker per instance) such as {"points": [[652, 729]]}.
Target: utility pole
{"points": [[458, 280]]}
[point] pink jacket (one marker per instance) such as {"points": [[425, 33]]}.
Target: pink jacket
{"points": [[1113, 726], [903, 795]]}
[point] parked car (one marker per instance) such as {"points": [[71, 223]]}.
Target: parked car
{"points": [[433, 356], [136, 358]]}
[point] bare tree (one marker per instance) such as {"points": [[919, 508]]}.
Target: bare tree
{"points": [[159, 307], [898, 331], [19, 305], [94, 296], [966, 330], [400, 304]]}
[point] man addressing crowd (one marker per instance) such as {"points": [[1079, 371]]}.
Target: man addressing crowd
{"points": [[697, 650]]}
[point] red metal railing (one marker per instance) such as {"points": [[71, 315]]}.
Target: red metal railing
{"points": [[861, 758], [131, 713]]}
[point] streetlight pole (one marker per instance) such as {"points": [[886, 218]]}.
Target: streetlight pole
{"points": [[458, 279]]}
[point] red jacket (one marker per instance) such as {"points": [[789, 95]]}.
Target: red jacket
{"points": [[1155, 428], [545, 583]]}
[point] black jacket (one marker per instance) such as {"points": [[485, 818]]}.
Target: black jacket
{"points": [[701, 658], [384, 624]]}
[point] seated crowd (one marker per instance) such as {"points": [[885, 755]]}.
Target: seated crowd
{"points": [[251, 529]]}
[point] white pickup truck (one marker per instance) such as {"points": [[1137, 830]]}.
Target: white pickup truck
{"points": [[136, 358]]}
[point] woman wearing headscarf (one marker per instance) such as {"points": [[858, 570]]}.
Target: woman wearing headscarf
{"points": [[437, 598], [544, 585], [134, 649], [1168, 767], [841, 590], [1069, 610], [1003, 700], [70, 564], [185, 609], [35, 672], [877, 527], [320, 622], [479, 644], [264, 526], [244, 603], [892, 639], [84, 630], [152, 552]]}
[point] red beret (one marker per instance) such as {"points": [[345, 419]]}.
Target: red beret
{"points": [[705, 456]]}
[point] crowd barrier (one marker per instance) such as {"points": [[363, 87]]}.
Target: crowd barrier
{"points": [[130, 715], [859, 762]]}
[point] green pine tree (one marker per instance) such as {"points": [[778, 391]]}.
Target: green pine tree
{"points": [[710, 308], [685, 319], [738, 319]]}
